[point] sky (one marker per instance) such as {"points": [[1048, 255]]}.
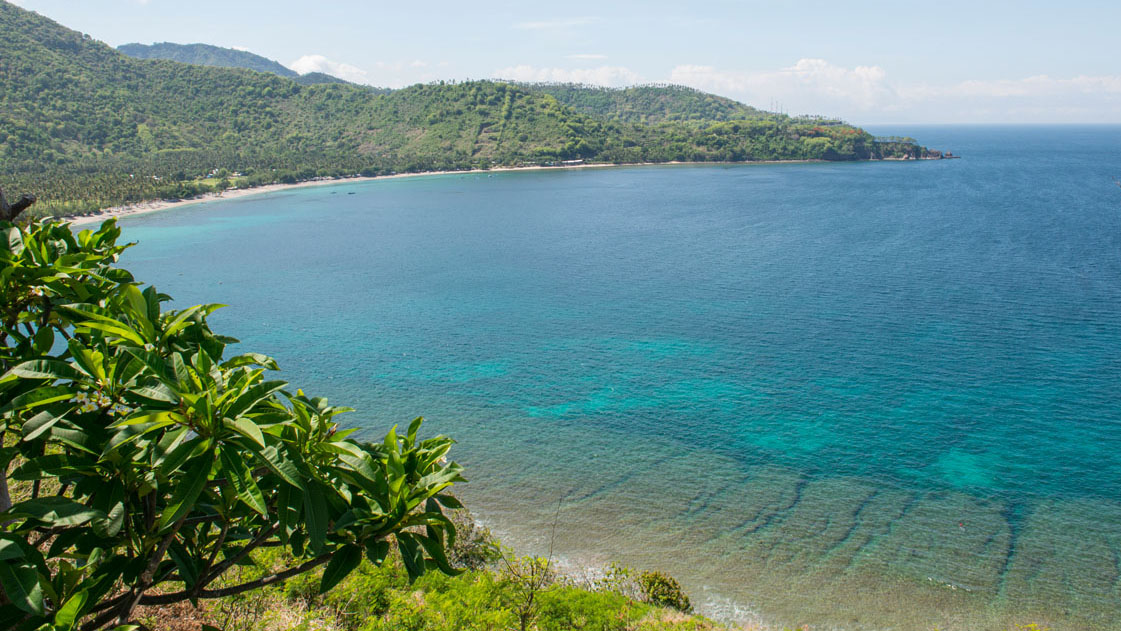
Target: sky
{"points": [[866, 61]]}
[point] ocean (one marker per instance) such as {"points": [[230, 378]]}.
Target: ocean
{"points": [[881, 395]]}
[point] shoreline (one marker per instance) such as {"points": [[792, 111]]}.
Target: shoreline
{"points": [[143, 208], [158, 205]]}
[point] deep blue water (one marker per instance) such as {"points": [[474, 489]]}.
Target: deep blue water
{"points": [[872, 378]]}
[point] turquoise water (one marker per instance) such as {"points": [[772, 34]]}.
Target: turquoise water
{"points": [[859, 396]]}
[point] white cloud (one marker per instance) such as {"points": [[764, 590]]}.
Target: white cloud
{"points": [[861, 93], [243, 49], [1040, 98], [560, 23], [401, 73], [807, 81], [611, 76], [1040, 85], [319, 63], [586, 56]]}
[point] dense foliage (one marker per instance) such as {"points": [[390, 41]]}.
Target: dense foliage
{"points": [[207, 55], [142, 465], [648, 103], [382, 598], [85, 127], [316, 78]]}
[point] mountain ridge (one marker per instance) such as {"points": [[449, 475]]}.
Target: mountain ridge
{"points": [[200, 54], [207, 55]]}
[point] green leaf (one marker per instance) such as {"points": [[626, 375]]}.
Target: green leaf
{"points": [[315, 513], [435, 549], [47, 369], [341, 564], [278, 461], [187, 493], [112, 502], [184, 562], [67, 615], [414, 427], [120, 331], [411, 554], [242, 480], [53, 465], [376, 551], [156, 393], [21, 585], [129, 432], [15, 240], [55, 511], [74, 436], [44, 340], [390, 441], [10, 550], [137, 305], [183, 319], [288, 507], [247, 428], [38, 397], [88, 360], [252, 396], [143, 417], [35, 426], [174, 459], [251, 359], [449, 501]]}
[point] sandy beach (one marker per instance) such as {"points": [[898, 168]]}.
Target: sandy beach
{"points": [[151, 206]]}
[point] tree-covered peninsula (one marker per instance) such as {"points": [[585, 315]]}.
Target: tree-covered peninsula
{"points": [[84, 126]]}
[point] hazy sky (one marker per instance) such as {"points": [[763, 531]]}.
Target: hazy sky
{"points": [[865, 61]]}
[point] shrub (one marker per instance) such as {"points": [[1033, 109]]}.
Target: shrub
{"points": [[664, 591]]}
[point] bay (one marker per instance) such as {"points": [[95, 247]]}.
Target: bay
{"points": [[856, 396]]}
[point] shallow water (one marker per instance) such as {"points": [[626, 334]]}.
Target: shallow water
{"points": [[859, 396]]}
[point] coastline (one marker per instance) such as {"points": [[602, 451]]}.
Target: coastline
{"points": [[157, 205], [143, 208]]}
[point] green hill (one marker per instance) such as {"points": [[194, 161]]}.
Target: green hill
{"points": [[207, 55], [316, 78], [84, 126], [647, 103]]}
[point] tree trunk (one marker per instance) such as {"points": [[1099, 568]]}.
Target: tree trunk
{"points": [[9, 213]]}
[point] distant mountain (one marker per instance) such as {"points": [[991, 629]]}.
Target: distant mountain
{"points": [[218, 57], [84, 126], [207, 55]]}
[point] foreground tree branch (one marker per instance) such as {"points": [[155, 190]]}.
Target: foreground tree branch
{"points": [[182, 492], [9, 213], [206, 594]]}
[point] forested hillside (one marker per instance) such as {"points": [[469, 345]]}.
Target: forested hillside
{"points": [[648, 103], [84, 126]]}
